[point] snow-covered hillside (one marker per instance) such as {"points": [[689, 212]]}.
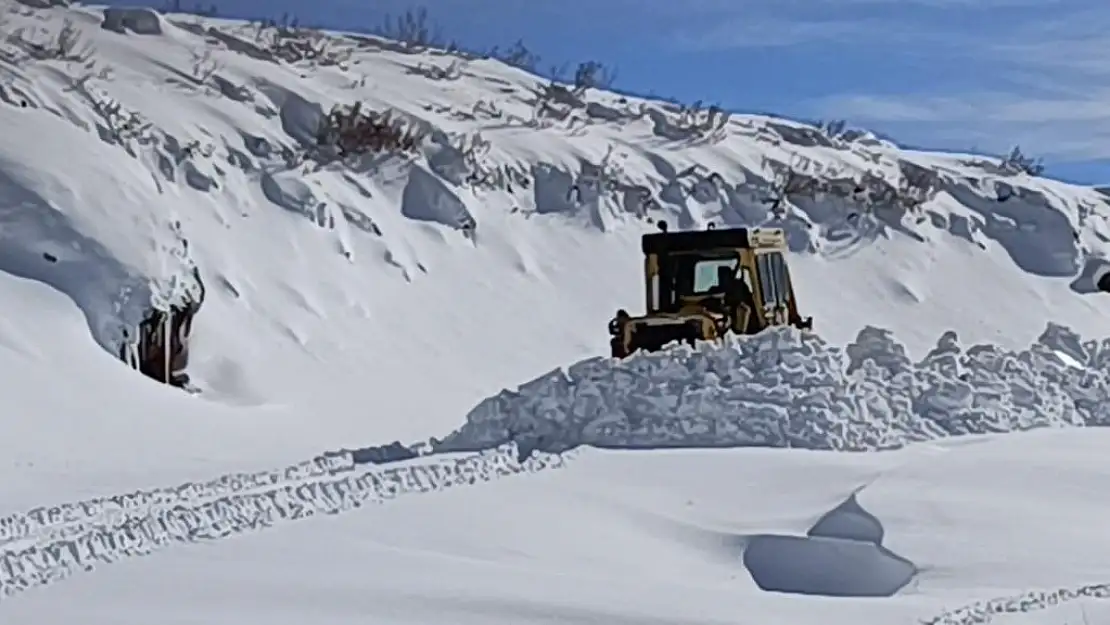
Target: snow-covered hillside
{"points": [[390, 297]]}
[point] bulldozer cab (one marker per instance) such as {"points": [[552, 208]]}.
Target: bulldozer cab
{"points": [[700, 285]]}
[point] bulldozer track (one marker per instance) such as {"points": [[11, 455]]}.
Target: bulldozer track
{"points": [[982, 612], [48, 544], [69, 518]]}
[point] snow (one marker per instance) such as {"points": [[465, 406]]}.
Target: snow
{"points": [[784, 388], [362, 318]]}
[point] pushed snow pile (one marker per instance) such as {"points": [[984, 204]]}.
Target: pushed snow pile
{"points": [[786, 388], [842, 555]]}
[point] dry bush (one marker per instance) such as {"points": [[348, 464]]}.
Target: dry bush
{"points": [[204, 66], [517, 55], [789, 180], [1017, 162], [291, 43], [870, 190], [707, 121], [453, 71], [122, 127], [293, 46], [353, 130], [488, 109], [597, 179], [593, 75], [65, 45], [833, 128], [474, 149], [680, 122], [916, 186], [414, 30]]}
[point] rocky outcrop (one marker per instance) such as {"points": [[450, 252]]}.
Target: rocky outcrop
{"points": [[160, 348]]}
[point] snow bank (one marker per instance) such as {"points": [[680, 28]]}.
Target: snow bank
{"points": [[786, 388]]}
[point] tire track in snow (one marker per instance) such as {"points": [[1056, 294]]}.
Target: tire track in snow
{"points": [[114, 531], [60, 520], [984, 611]]}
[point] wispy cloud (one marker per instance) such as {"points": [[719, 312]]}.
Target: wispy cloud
{"points": [[1043, 80], [755, 32], [712, 25]]}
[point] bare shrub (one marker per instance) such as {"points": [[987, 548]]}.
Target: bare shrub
{"points": [[553, 103], [488, 109], [291, 43], [558, 73], [607, 178], [833, 128], [705, 120], [431, 71], [314, 47], [789, 180], [518, 55], [480, 174], [1017, 162], [916, 186], [593, 75], [66, 44], [414, 30], [353, 130], [870, 191], [204, 66], [680, 122]]}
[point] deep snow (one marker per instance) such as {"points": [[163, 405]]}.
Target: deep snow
{"points": [[390, 299]]}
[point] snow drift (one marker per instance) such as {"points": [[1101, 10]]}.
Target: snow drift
{"points": [[786, 388]]}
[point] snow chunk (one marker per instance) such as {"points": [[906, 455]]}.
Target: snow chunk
{"points": [[785, 388], [139, 20], [427, 198]]}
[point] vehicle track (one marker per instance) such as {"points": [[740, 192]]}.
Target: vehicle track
{"points": [[24, 527], [984, 611], [80, 536]]}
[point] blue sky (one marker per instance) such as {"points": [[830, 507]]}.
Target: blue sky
{"points": [[948, 74]]}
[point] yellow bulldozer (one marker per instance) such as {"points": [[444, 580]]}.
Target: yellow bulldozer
{"points": [[701, 285]]}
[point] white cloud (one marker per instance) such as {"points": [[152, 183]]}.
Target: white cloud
{"points": [[755, 32], [1044, 82]]}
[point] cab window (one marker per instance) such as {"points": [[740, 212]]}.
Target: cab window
{"points": [[774, 281], [692, 274], [706, 273]]}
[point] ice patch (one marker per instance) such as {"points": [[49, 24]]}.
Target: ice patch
{"points": [[842, 555]]}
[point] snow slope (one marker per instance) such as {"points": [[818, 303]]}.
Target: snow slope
{"points": [[356, 304]]}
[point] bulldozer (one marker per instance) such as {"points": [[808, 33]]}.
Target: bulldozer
{"points": [[701, 285]]}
